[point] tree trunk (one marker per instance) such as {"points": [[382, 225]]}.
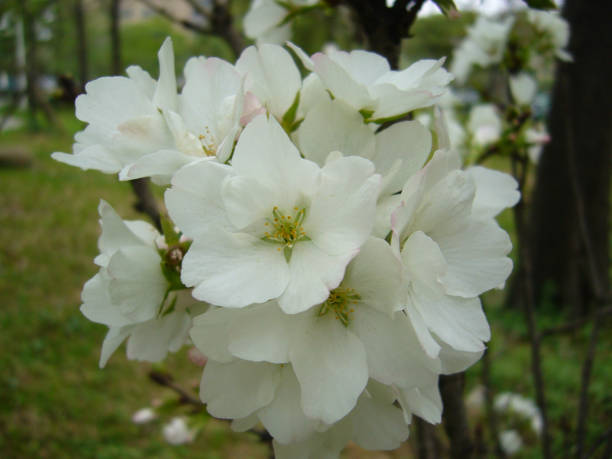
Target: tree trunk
{"points": [[571, 203], [116, 67], [79, 18]]}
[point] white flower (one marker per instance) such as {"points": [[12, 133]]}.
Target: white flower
{"points": [[537, 136], [484, 45], [124, 117], [510, 442], [516, 403], [264, 20], [484, 124], [144, 416], [354, 335], [273, 223], [452, 250], [130, 290], [176, 432], [523, 88], [365, 81], [555, 27]]}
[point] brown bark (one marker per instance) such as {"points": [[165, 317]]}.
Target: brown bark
{"points": [[79, 19], [455, 416], [571, 202], [116, 66]]}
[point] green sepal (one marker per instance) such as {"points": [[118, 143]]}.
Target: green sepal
{"points": [[288, 120], [287, 253], [170, 235]]}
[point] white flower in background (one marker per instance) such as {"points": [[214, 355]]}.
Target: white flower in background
{"points": [[176, 432], [144, 416], [275, 224], [485, 124], [537, 136], [365, 81], [523, 88], [357, 333], [555, 28], [522, 406], [484, 45], [264, 20], [130, 291], [124, 117], [452, 249], [510, 442]]}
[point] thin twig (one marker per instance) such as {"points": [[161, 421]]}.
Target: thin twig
{"points": [[166, 380], [606, 436], [576, 324], [199, 28], [525, 269]]}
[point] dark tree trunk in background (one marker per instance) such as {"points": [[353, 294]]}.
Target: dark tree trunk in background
{"points": [[79, 18], [571, 202], [116, 66]]}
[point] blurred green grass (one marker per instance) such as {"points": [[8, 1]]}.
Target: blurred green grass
{"points": [[56, 402]]}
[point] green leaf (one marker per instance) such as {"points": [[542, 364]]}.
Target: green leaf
{"points": [[447, 7], [541, 4], [289, 117]]}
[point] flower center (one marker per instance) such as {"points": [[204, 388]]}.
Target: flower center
{"points": [[340, 301], [208, 142], [286, 229]]}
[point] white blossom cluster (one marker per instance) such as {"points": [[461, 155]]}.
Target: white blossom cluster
{"points": [[326, 262]]}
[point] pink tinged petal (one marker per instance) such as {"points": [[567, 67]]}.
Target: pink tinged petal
{"points": [[341, 83], [97, 305], [330, 364], [94, 157], [237, 389], [408, 142], [284, 418], [262, 333], [113, 339], [476, 257], [194, 201], [234, 270], [390, 347], [376, 275], [151, 341], [424, 401], [136, 285], [459, 322], [377, 425], [165, 93], [162, 163], [342, 212], [495, 191], [334, 126], [313, 274], [210, 333], [271, 75]]}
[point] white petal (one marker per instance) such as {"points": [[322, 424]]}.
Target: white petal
{"points": [[523, 88], [343, 210], [284, 418], [271, 75], [495, 191], [237, 389], [152, 340], [210, 333], [112, 341], [161, 163], [194, 201], [454, 361], [97, 305], [165, 93], [313, 274], [330, 364], [115, 232], [94, 157], [424, 401], [408, 142], [234, 270], [334, 126]]}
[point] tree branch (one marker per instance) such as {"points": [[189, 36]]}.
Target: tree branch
{"points": [[146, 202], [190, 25], [455, 416], [166, 380]]}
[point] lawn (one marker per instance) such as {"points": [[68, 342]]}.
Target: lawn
{"points": [[55, 401]]}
